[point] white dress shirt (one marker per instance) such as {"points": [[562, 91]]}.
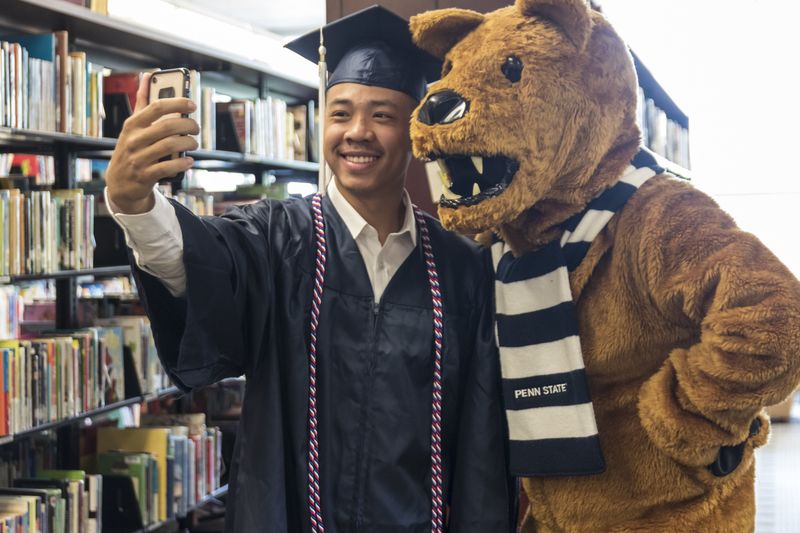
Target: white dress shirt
{"points": [[157, 244]]}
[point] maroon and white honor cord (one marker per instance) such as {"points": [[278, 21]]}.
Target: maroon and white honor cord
{"points": [[437, 491]]}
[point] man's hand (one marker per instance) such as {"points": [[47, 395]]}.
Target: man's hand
{"points": [[135, 167]]}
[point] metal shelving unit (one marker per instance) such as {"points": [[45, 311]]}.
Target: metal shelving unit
{"points": [[88, 415]]}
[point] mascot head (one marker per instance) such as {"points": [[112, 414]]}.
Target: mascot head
{"points": [[534, 114]]}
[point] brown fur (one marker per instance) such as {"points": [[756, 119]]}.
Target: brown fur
{"points": [[688, 325]]}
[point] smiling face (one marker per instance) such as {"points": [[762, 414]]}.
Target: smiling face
{"points": [[366, 141]]}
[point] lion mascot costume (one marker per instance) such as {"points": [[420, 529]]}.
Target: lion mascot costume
{"points": [[641, 332]]}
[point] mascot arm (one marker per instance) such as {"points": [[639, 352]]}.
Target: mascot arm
{"points": [[743, 306]]}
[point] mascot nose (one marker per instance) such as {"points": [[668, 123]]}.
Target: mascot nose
{"points": [[443, 107]]}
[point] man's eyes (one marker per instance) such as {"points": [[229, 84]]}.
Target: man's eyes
{"points": [[340, 116], [377, 115]]}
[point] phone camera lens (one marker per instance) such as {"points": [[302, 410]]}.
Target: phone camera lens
{"points": [[153, 79]]}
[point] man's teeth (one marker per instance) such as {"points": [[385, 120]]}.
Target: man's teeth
{"points": [[478, 162], [360, 158]]}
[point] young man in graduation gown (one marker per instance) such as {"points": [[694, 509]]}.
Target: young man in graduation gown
{"points": [[364, 330]]}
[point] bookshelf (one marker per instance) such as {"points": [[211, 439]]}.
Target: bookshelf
{"points": [[665, 127], [101, 148], [126, 47], [172, 524], [108, 37], [88, 415], [67, 274]]}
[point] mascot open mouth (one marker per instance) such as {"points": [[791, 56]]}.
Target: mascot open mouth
{"points": [[470, 179]]}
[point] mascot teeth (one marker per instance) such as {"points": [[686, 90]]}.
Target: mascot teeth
{"points": [[447, 194], [470, 179], [478, 162], [445, 176]]}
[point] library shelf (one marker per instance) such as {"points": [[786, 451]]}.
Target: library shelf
{"points": [[121, 270], [172, 524], [144, 44], [86, 415], [101, 148]]}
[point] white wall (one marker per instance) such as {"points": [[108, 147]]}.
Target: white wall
{"points": [[732, 66]]}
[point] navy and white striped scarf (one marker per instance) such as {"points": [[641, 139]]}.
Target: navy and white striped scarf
{"points": [[551, 423]]}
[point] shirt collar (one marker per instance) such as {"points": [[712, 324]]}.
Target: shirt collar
{"points": [[356, 224]]}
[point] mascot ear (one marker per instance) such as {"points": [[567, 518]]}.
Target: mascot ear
{"points": [[439, 30], [572, 16]]}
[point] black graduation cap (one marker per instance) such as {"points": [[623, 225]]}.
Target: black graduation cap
{"points": [[371, 47]]}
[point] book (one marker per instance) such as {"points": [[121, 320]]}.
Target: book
{"points": [[119, 100], [63, 486], [134, 465], [112, 366], [64, 82], [79, 509], [49, 501], [299, 116], [137, 345], [208, 119], [98, 6], [25, 506], [94, 489], [233, 127], [149, 440], [180, 476]]}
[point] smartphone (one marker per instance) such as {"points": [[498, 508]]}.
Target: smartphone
{"points": [[170, 83]]}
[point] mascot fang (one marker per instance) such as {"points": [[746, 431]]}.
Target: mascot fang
{"points": [[641, 332]]}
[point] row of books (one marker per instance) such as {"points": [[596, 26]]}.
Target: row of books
{"points": [[52, 378], [63, 374], [174, 460], [55, 501], [45, 87], [128, 479], [37, 170], [45, 231], [40, 169], [267, 127], [661, 134], [198, 202]]}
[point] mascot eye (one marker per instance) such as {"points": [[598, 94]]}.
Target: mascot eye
{"points": [[447, 66], [512, 68]]}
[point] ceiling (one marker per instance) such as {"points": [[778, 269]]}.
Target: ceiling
{"points": [[284, 17]]}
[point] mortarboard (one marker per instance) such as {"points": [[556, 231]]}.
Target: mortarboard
{"points": [[371, 47]]}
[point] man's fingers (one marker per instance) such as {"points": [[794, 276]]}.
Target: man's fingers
{"points": [[143, 93], [164, 148], [161, 130], [159, 108], [167, 169]]}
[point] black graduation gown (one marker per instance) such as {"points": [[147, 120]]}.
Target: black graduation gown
{"points": [[246, 311]]}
